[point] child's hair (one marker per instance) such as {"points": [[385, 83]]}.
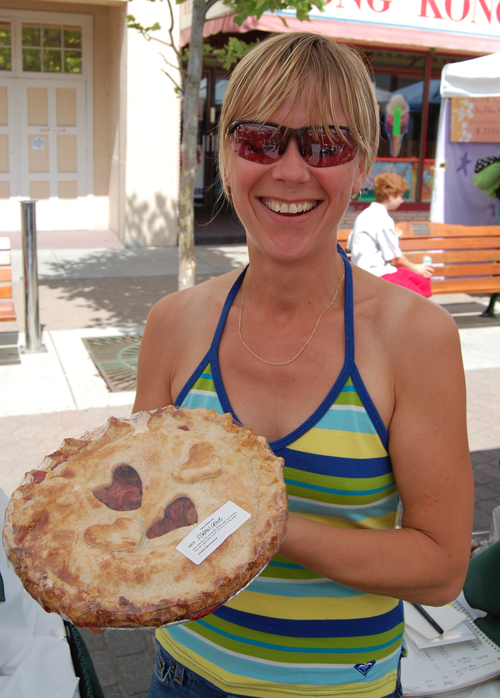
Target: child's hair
{"points": [[322, 70], [389, 184]]}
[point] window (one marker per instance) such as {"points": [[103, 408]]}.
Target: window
{"points": [[50, 48], [5, 46], [399, 80]]}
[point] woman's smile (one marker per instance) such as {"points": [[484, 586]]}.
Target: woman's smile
{"points": [[295, 208]]}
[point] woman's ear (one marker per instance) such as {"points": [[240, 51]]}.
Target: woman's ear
{"points": [[359, 177]]}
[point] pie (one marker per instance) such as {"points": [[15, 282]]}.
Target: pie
{"points": [[93, 533]]}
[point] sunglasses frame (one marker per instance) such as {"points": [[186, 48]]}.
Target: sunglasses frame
{"points": [[297, 133]]}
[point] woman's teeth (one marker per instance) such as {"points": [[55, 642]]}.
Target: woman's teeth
{"points": [[289, 208]]}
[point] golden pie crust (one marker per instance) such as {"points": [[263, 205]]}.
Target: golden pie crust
{"points": [[97, 566]]}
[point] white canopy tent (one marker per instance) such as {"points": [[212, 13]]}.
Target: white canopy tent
{"points": [[454, 198]]}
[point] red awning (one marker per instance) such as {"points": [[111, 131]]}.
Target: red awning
{"points": [[354, 32]]}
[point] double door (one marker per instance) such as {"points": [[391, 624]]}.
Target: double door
{"points": [[43, 152]]}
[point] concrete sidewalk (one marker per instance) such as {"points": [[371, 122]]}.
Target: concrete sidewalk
{"points": [[95, 288]]}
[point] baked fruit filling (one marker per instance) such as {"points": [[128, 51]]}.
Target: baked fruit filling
{"points": [[125, 491], [181, 512]]}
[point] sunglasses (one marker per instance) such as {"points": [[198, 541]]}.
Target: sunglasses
{"points": [[265, 143]]}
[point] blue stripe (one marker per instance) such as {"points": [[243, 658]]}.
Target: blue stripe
{"points": [[205, 375], [309, 650], [351, 627], [346, 420], [286, 565], [350, 493], [209, 402], [370, 511], [335, 467], [302, 589]]}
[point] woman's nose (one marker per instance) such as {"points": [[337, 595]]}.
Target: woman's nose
{"points": [[291, 166]]}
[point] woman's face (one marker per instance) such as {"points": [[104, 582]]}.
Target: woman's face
{"points": [[311, 201]]}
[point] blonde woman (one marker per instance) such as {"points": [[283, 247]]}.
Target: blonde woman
{"points": [[357, 384]]}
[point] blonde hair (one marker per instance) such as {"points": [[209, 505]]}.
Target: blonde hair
{"points": [[389, 184], [321, 69]]}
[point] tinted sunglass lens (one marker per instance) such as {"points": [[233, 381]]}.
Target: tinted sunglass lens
{"points": [[257, 144], [320, 151]]}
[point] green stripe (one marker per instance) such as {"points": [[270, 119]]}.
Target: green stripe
{"points": [[359, 500], [348, 399], [287, 573], [204, 384], [338, 483]]}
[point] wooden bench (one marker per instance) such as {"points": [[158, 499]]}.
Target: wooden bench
{"points": [[7, 310], [466, 258]]}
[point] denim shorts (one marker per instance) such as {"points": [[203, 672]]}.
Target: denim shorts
{"points": [[177, 681]]}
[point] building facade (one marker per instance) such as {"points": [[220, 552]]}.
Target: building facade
{"points": [[89, 123]]}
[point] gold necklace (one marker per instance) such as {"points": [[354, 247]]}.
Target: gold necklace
{"points": [[284, 363]]}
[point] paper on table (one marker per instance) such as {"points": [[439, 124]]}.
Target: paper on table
{"points": [[446, 616], [489, 689], [461, 633], [447, 668]]}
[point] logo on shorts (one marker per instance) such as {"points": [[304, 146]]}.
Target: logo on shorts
{"points": [[364, 668]]}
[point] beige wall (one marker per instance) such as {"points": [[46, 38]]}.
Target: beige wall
{"points": [[152, 135]]}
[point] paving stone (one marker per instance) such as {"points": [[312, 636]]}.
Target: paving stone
{"points": [[135, 681], [125, 642], [94, 641], [483, 474], [105, 667], [482, 520], [116, 692], [484, 493]]}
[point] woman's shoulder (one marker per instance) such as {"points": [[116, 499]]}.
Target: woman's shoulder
{"points": [[401, 316], [186, 315], [197, 299]]}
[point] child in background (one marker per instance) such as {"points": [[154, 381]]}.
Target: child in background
{"points": [[374, 241]]}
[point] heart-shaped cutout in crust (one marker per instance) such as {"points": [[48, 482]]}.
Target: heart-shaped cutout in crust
{"points": [[122, 534], [203, 463], [125, 492], [181, 512]]}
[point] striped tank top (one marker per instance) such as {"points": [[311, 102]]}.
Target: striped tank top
{"points": [[293, 632]]}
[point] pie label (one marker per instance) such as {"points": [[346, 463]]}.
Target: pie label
{"points": [[212, 532]]}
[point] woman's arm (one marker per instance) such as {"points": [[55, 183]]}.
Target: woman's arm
{"points": [[426, 560]]}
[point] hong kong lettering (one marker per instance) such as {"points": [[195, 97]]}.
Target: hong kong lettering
{"points": [[485, 12], [461, 10], [375, 5]]}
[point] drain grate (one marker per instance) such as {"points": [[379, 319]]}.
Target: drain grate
{"points": [[115, 359]]}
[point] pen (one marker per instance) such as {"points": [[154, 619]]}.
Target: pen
{"points": [[428, 618]]}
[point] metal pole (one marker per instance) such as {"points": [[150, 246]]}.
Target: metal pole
{"points": [[31, 312]]}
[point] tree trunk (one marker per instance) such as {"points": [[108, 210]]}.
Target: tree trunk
{"points": [[187, 262]]}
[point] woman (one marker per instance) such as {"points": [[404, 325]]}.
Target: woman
{"points": [[374, 242], [275, 345]]}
